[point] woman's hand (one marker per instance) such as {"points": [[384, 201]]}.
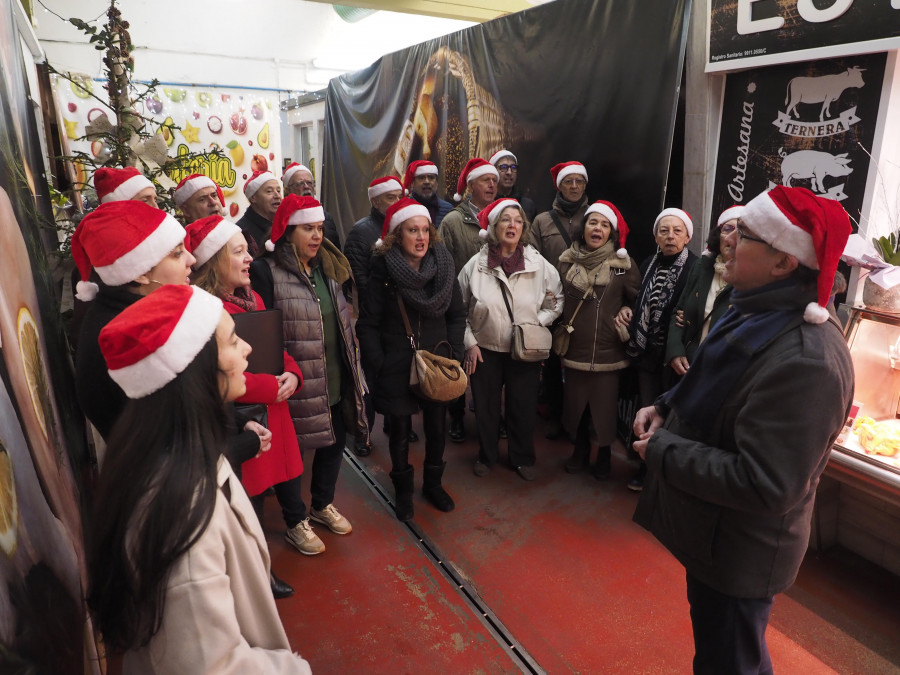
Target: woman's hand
{"points": [[287, 385], [265, 436], [680, 365], [623, 318], [679, 318], [472, 359]]}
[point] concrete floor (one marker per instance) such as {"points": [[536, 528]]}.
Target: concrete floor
{"points": [[550, 576]]}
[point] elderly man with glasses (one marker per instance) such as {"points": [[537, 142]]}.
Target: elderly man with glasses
{"points": [[735, 450], [508, 167]]}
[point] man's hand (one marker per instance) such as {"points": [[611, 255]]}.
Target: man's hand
{"points": [[265, 436], [680, 365], [472, 359], [646, 422]]}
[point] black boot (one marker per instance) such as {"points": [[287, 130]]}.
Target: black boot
{"points": [[579, 457], [280, 589], [403, 488], [603, 468], [434, 491]]}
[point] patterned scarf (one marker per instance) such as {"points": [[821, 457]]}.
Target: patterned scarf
{"points": [[242, 297], [515, 262], [591, 268], [657, 292], [429, 289]]}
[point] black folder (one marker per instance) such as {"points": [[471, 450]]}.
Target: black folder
{"points": [[262, 330]]}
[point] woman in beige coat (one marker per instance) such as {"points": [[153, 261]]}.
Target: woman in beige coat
{"points": [[179, 566], [506, 267]]}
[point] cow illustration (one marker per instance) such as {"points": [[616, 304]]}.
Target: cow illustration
{"points": [[813, 164], [824, 89]]}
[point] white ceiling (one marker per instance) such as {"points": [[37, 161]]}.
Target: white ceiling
{"points": [[289, 45]]}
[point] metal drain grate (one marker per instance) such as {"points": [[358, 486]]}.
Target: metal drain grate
{"points": [[495, 627]]}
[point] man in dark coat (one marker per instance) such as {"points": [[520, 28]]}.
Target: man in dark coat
{"points": [[263, 191], [298, 180], [508, 167], [366, 231], [421, 181], [735, 450]]}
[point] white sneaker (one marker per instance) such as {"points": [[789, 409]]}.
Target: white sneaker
{"points": [[331, 519], [302, 538]]}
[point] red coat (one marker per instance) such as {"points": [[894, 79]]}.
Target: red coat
{"points": [[283, 461]]}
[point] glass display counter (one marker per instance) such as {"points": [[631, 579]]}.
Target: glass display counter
{"points": [[867, 451]]}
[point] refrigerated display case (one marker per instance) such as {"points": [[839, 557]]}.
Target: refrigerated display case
{"points": [[858, 501]]}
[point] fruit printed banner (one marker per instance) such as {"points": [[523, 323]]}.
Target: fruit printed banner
{"points": [[243, 123], [44, 627]]}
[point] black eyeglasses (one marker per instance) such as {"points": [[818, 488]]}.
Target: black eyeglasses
{"points": [[507, 167], [742, 234]]}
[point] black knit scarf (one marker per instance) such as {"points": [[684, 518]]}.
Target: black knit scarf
{"points": [[567, 207], [755, 318], [429, 289]]}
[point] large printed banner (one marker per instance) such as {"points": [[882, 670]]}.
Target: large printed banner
{"points": [[801, 125], [571, 80], [747, 33], [243, 123], [43, 625]]}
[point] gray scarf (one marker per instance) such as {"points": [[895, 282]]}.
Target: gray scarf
{"points": [[429, 289]]}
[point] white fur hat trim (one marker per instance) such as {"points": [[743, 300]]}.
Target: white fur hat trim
{"points": [[191, 187], [381, 188], [568, 171], [127, 190], [216, 239], [603, 210], [146, 255], [500, 154], [254, 185]]}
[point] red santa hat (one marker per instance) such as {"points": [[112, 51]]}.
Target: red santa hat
{"points": [[475, 168], [813, 229], [190, 185], [150, 342], [290, 170], [257, 180], [500, 154], [206, 236], [122, 241], [381, 185], [731, 213], [490, 214], [609, 211], [560, 171], [294, 210], [420, 167], [401, 210], [683, 216], [119, 185]]}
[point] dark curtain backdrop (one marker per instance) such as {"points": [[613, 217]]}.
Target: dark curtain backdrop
{"points": [[595, 82]]}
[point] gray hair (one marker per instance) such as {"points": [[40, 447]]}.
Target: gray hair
{"points": [[525, 239]]}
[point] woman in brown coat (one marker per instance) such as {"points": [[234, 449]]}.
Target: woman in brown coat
{"points": [[598, 282]]}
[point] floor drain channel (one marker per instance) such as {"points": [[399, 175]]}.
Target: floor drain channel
{"points": [[510, 645]]}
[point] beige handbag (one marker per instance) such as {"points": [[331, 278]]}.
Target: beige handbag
{"points": [[432, 377], [530, 341]]}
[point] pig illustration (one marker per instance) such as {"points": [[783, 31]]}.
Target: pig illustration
{"points": [[813, 164], [824, 89]]}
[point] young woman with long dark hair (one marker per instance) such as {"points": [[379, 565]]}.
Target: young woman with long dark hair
{"points": [[178, 562]]}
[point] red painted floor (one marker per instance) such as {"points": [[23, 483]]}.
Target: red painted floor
{"points": [[559, 562]]}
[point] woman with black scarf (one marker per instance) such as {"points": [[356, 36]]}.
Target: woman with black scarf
{"points": [[664, 276], [412, 269]]}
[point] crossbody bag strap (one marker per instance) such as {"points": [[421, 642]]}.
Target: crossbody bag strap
{"points": [[409, 333], [506, 300], [559, 226]]}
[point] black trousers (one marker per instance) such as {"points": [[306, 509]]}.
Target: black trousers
{"points": [[434, 420], [521, 380], [288, 494], [729, 633], [457, 408], [552, 386]]}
